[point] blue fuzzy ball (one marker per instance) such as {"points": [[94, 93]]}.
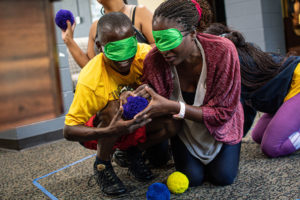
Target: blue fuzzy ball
{"points": [[133, 106], [158, 191], [61, 18]]}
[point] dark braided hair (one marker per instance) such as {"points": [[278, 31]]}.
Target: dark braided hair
{"points": [[257, 67], [206, 17], [183, 12]]}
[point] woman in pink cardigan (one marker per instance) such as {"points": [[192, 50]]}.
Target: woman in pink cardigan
{"points": [[196, 79]]}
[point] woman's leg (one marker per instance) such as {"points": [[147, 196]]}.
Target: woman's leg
{"points": [[282, 135], [186, 163], [260, 127], [224, 168]]}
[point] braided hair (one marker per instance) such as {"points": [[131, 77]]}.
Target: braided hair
{"points": [[257, 67], [183, 12], [206, 17]]}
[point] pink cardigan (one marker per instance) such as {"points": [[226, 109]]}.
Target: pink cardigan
{"points": [[222, 110]]}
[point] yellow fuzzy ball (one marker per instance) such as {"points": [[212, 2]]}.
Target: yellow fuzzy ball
{"points": [[177, 183]]}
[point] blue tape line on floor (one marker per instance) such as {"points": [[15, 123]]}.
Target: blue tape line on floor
{"points": [[46, 192]]}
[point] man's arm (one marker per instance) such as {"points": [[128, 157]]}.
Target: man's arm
{"points": [[116, 128], [83, 133]]}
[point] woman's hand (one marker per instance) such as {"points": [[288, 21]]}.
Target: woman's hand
{"points": [[140, 91], [158, 105], [67, 35], [122, 127], [124, 95]]}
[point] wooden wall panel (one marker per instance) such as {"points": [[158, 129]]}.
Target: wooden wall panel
{"points": [[30, 90]]}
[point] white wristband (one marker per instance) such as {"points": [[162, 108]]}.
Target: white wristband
{"points": [[182, 110]]}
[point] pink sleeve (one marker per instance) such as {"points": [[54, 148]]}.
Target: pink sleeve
{"points": [[222, 112]]}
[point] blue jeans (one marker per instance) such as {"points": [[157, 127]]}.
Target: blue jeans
{"points": [[221, 171]]}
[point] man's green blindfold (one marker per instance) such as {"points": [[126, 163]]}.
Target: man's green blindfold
{"points": [[122, 49], [168, 39]]}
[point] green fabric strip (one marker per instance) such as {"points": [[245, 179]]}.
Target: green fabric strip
{"points": [[122, 49], [168, 39]]}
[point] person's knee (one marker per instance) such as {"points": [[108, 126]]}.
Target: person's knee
{"points": [[107, 142], [173, 126], [195, 179], [269, 150], [193, 173], [167, 127], [223, 179], [256, 137]]}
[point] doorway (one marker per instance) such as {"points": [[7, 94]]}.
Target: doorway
{"points": [[291, 20]]}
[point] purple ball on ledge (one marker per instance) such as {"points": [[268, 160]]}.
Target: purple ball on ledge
{"points": [[133, 106], [61, 18]]}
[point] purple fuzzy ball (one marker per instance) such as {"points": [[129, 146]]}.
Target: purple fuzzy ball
{"points": [[61, 18], [133, 106], [158, 191]]}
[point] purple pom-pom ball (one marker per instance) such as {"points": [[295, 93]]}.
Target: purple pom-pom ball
{"points": [[61, 18], [133, 106], [158, 191]]}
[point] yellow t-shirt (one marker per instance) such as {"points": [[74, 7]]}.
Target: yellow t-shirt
{"points": [[295, 85], [98, 84]]}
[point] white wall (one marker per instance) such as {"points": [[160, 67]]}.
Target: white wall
{"points": [[259, 20], [151, 4]]}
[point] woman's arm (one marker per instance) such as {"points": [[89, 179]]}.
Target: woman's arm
{"points": [[144, 23], [160, 106], [79, 56], [91, 43]]}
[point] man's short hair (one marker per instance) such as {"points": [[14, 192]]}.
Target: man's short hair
{"points": [[114, 22]]}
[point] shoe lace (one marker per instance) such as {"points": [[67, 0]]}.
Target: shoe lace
{"points": [[104, 178], [110, 176], [93, 177]]}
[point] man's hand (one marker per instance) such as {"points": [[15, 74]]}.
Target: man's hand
{"points": [[124, 95], [67, 35], [122, 127]]}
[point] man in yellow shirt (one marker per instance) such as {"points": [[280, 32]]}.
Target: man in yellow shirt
{"points": [[99, 82]]}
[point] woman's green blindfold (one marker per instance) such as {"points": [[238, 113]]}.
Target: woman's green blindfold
{"points": [[122, 49], [168, 39]]}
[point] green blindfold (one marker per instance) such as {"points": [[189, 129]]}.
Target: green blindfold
{"points": [[168, 39], [122, 49]]}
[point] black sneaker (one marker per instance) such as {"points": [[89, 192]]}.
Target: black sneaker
{"points": [[121, 158], [138, 168], [108, 181]]}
